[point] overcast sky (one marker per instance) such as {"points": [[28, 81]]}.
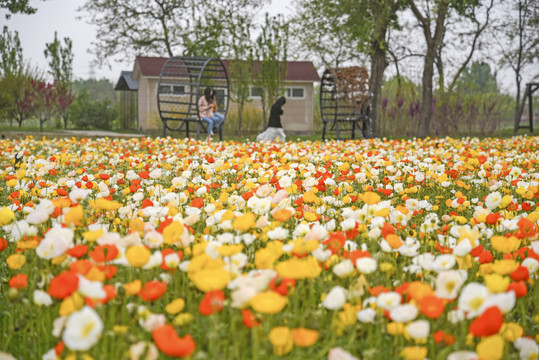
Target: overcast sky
{"points": [[62, 16]]}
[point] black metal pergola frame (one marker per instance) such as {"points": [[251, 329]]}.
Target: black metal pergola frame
{"points": [[339, 111], [181, 84]]}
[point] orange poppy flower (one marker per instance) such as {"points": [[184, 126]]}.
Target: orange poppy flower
{"points": [[197, 202], [432, 306], [489, 323], [102, 253], [152, 290], [80, 267], [63, 285], [212, 302], [304, 337], [526, 228], [77, 251], [169, 343], [282, 215], [19, 281]]}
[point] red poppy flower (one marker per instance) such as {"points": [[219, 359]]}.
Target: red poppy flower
{"points": [[63, 285], [519, 287], [485, 257], [169, 343], [109, 270], [152, 290], [104, 176], [61, 192], [102, 253], [387, 229], [19, 281], [212, 302], [77, 251], [489, 323], [144, 174], [3, 244], [197, 202], [282, 286], [335, 242], [249, 319], [146, 203]]}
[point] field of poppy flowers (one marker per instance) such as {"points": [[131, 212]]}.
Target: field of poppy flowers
{"points": [[164, 248]]}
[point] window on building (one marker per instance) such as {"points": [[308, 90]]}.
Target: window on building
{"points": [[172, 89], [178, 89], [255, 92], [295, 93]]}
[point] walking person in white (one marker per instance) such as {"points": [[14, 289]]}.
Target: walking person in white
{"points": [[275, 128]]}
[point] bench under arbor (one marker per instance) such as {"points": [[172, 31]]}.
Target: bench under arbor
{"points": [[345, 103], [181, 84]]}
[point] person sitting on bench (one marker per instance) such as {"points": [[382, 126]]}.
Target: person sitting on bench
{"points": [[206, 106]]}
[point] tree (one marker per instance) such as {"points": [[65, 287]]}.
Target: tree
{"points": [[478, 78], [42, 100], [161, 27], [478, 27], [86, 113], [61, 69], [516, 36], [14, 78], [237, 36], [364, 24], [432, 16], [271, 55], [16, 7], [11, 58], [323, 34], [128, 27]]}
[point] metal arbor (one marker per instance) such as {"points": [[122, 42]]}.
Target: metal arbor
{"points": [[181, 84], [345, 101]]}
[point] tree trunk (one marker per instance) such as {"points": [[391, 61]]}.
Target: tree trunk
{"points": [[518, 112], [41, 121], [426, 95], [378, 66], [240, 116]]}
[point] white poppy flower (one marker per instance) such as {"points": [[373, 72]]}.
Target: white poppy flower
{"points": [[344, 268], [419, 330], [338, 353], [136, 351], [83, 329], [404, 313], [91, 289], [388, 300], [366, 315], [366, 265], [42, 298], [56, 242], [462, 355], [472, 297], [448, 284], [335, 299]]}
